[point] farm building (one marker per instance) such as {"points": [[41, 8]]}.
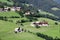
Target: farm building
{"points": [[27, 13], [1, 9], [10, 9], [39, 23], [15, 8]]}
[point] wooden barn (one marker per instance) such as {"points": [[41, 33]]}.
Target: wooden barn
{"points": [[39, 23]]}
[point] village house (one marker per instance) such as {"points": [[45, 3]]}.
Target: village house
{"points": [[6, 8], [39, 23], [15, 8], [1, 9], [10, 9], [18, 8], [27, 13]]}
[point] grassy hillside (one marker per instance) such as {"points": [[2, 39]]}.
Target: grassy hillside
{"points": [[52, 30], [9, 14], [3, 0], [7, 27], [7, 30], [45, 5], [8, 2]]}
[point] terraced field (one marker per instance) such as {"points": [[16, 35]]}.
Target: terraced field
{"points": [[7, 28], [9, 14]]}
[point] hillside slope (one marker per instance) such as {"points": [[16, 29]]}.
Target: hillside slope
{"points": [[7, 31], [58, 1], [45, 5]]}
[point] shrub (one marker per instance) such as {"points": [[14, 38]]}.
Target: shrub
{"points": [[10, 20], [44, 36], [56, 23], [14, 17], [23, 21]]}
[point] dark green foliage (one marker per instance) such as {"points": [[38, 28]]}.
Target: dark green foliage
{"points": [[2, 4], [21, 13], [56, 23], [21, 24], [37, 26], [44, 36], [57, 38], [25, 30], [18, 22], [23, 21], [9, 0], [10, 20], [14, 17], [30, 20], [3, 18], [9, 9]]}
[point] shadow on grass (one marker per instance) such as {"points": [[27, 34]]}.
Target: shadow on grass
{"points": [[0, 39]]}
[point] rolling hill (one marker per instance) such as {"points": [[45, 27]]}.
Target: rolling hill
{"points": [[7, 30], [57, 1], [45, 5], [50, 32]]}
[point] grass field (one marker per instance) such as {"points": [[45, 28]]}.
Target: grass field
{"points": [[9, 14], [7, 28], [7, 31], [10, 3], [3, 0]]}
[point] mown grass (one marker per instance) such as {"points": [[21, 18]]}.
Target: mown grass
{"points": [[7, 32], [9, 14], [7, 28], [52, 30]]}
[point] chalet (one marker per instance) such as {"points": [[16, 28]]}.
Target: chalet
{"points": [[6, 8], [18, 30], [15, 8], [10, 9], [27, 13], [18, 8], [39, 24], [1, 9]]}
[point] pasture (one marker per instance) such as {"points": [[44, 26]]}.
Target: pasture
{"points": [[7, 28]]}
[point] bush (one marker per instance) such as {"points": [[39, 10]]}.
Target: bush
{"points": [[57, 38], [3, 18], [23, 21], [56, 23], [30, 20], [37, 26], [44, 36], [10, 20], [18, 21], [14, 17]]}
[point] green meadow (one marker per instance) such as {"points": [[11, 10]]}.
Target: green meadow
{"points": [[7, 28], [45, 32]]}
